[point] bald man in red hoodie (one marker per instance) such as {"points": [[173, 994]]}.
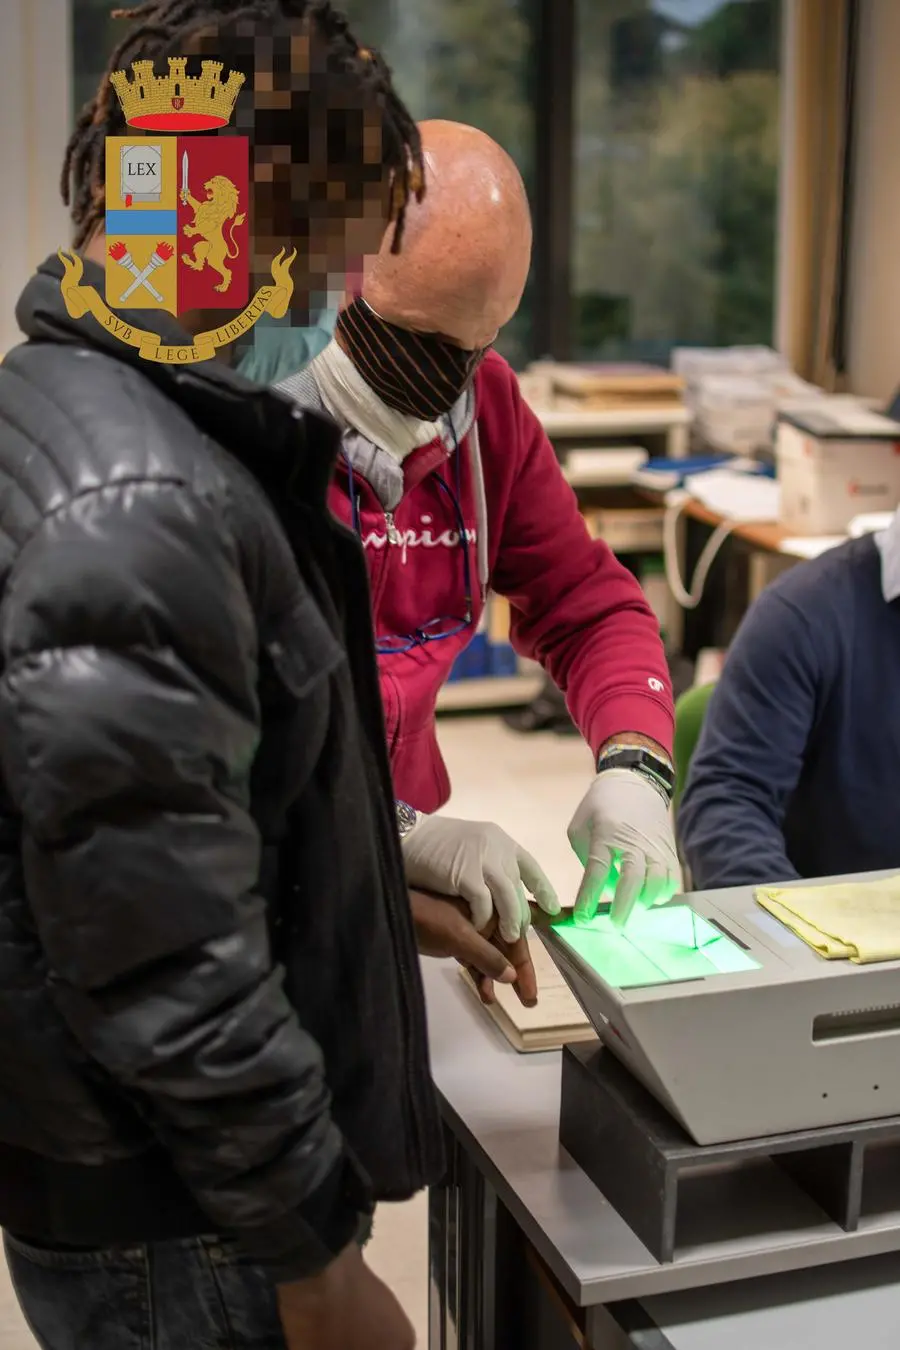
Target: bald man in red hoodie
{"points": [[454, 489]]}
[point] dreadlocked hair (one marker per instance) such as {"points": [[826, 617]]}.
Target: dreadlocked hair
{"points": [[162, 25]]}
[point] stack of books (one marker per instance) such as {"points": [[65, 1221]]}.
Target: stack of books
{"points": [[557, 1020], [600, 386]]}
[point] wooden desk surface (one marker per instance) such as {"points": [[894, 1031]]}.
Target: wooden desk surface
{"points": [[765, 535]]}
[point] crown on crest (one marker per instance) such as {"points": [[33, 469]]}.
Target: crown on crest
{"points": [[177, 101]]}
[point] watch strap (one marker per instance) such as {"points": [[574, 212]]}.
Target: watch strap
{"points": [[639, 759]]}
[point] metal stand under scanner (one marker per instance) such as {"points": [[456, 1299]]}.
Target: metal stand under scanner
{"points": [[659, 1180]]}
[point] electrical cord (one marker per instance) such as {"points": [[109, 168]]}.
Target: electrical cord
{"points": [[689, 599]]}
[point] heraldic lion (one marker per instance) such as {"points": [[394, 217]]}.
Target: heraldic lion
{"points": [[209, 221]]}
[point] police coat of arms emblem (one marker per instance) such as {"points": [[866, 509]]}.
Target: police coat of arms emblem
{"points": [[176, 214]]}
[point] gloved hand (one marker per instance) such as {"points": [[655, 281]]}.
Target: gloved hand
{"points": [[482, 865], [622, 835]]}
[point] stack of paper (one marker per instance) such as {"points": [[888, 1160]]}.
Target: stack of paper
{"points": [[604, 466], [736, 496], [556, 1021]]}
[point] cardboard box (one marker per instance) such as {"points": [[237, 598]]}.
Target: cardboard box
{"points": [[835, 461]]}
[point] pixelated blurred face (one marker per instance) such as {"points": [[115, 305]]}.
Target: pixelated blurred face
{"points": [[319, 184]]}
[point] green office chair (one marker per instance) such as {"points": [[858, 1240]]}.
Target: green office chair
{"points": [[690, 710]]}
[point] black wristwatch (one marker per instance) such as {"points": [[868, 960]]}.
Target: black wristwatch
{"points": [[407, 817], [638, 758]]}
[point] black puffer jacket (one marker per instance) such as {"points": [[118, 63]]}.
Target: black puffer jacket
{"points": [[208, 979]]}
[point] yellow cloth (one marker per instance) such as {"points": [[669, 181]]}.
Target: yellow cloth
{"points": [[859, 920]]}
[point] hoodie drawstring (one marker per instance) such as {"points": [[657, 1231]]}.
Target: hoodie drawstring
{"points": [[481, 511]]}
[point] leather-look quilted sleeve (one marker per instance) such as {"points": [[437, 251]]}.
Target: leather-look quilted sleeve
{"points": [[128, 727]]}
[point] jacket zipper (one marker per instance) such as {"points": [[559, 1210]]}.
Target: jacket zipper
{"points": [[381, 765], [410, 1039], [379, 762], [393, 534], [414, 1116], [378, 575], [417, 1141]]}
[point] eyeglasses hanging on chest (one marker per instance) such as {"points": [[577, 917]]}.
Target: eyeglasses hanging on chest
{"points": [[445, 626]]}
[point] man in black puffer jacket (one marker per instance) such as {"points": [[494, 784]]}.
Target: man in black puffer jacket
{"points": [[211, 1017]]}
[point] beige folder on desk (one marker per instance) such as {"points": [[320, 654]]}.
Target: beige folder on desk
{"points": [[556, 1021]]}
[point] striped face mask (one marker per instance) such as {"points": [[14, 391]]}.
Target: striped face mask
{"points": [[419, 374]]}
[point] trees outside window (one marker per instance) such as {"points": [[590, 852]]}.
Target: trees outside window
{"points": [[676, 147]]}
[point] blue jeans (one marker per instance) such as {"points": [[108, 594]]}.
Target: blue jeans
{"points": [[198, 1294]]}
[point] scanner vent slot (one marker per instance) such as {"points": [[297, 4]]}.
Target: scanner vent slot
{"points": [[713, 923], [844, 1026]]}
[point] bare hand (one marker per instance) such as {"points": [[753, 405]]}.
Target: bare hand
{"points": [[518, 954], [346, 1307], [444, 929]]}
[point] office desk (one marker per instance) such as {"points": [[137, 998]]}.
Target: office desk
{"points": [[527, 1254], [763, 541], [764, 535], [759, 544]]}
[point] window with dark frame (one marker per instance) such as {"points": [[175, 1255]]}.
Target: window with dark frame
{"points": [[647, 132], [675, 199]]}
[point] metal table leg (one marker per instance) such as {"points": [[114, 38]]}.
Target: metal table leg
{"points": [[488, 1289], [475, 1252]]}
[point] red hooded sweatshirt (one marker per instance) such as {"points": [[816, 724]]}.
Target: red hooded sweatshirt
{"points": [[575, 609]]}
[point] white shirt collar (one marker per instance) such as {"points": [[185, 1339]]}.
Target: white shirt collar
{"points": [[353, 404], [888, 543]]}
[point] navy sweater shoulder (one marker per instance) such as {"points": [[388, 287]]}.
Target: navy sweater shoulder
{"points": [[797, 767]]}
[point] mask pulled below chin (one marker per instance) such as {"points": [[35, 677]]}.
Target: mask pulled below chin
{"points": [[279, 350], [419, 374]]}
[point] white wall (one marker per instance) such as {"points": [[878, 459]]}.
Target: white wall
{"points": [[35, 122], [874, 299]]}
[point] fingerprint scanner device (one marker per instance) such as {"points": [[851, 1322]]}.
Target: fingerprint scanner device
{"points": [[661, 946], [736, 1026]]}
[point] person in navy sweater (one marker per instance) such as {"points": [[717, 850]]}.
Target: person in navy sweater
{"points": [[797, 769]]}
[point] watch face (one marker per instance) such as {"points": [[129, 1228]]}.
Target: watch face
{"points": [[406, 818], [660, 767]]}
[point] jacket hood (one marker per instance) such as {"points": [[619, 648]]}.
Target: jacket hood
{"points": [[231, 409], [42, 315]]}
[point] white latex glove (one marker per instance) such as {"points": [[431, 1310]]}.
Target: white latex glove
{"points": [[622, 835], [482, 865]]}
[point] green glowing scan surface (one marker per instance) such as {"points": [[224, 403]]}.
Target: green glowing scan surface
{"points": [[658, 946]]}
